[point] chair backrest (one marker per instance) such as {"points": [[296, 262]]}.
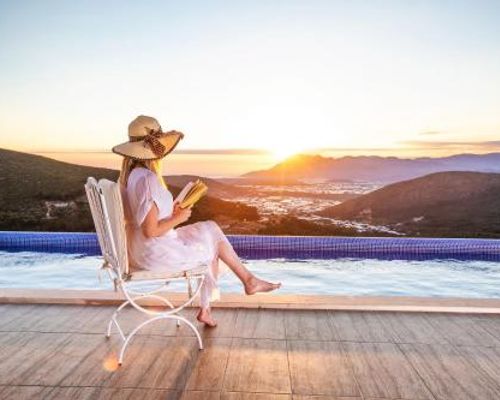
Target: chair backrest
{"points": [[106, 206]]}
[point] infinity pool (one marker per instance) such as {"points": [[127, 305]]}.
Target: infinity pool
{"points": [[341, 276]]}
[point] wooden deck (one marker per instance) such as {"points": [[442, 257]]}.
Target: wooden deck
{"points": [[59, 352]]}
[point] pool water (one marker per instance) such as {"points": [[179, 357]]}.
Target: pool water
{"points": [[343, 276]]}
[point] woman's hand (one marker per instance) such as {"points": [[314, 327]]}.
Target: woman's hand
{"points": [[181, 214]]}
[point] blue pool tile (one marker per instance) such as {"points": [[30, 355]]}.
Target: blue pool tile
{"points": [[296, 247]]}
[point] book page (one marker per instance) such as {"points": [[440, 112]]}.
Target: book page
{"points": [[197, 191], [182, 195]]}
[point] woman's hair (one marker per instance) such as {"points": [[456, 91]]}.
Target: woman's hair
{"points": [[128, 164]]}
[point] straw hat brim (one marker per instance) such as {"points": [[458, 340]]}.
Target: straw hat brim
{"points": [[141, 151]]}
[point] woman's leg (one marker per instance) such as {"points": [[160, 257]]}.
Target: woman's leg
{"points": [[250, 281], [204, 315], [231, 259], [227, 254]]}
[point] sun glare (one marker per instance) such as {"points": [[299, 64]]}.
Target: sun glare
{"points": [[110, 363], [283, 151]]}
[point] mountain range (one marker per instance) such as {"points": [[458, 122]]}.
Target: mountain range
{"points": [[457, 204], [39, 193], [374, 168]]}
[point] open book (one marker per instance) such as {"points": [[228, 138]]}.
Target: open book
{"points": [[191, 193]]}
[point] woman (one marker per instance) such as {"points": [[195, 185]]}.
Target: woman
{"points": [[154, 241]]}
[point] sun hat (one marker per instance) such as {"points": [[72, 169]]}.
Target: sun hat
{"points": [[147, 141]]}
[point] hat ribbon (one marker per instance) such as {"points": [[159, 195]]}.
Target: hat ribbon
{"points": [[151, 140]]}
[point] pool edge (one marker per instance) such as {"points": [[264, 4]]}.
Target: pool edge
{"points": [[272, 301]]}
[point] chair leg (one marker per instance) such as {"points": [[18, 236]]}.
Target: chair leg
{"points": [[155, 316], [113, 320], [142, 325], [166, 301]]}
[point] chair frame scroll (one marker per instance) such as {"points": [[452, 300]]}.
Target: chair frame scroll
{"points": [[105, 201]]}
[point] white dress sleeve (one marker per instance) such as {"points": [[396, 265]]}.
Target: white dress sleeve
{"points": [[147, 193]]}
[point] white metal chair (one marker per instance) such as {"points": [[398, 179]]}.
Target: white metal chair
{"points": [[105, 200]]}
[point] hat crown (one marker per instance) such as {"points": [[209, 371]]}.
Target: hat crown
{"points": [[147, 141], [142, 125]]}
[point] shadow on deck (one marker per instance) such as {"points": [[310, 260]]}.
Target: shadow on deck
{"points": [[59, 352]]}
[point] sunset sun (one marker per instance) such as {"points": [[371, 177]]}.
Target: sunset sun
{"points": [[283, 151]]}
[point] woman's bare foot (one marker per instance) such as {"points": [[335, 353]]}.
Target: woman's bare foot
{"points": [[256, 285], [205, 316]]}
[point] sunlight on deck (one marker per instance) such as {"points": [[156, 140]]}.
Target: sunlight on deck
{"points": [[59, 351]]}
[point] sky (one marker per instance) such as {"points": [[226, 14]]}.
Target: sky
{"points": [[281, 76]]}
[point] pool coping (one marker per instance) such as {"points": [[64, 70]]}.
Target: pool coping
{"points": [[273, 301]]}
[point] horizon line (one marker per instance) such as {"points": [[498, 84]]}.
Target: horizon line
{"points": [[248, 151], [456, 147]]}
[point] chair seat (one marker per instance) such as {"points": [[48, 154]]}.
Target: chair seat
{"points": [[143, 274]]}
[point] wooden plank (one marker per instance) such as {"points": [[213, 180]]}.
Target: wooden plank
{"points": [[52, 369], [257, 365], [208, 371], [91, 393], [150, 362], [11, 312], [275, 301], [412, 328], [23, 392], [306, 397], [196, 395], [254, 396], [98, 367], [38, 349], [226, 322], [157, 362], [309, 325], [382, 370], [24, 317], [489, 322], [462, 330], [320, 368], [94, 319], [447, 374], [260, 324], [361, 327], [11, 342], [54, 318], [486, 361]]}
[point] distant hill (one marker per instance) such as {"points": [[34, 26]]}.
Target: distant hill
{"points": [[39, 193], [453, 204], [374, 169]]}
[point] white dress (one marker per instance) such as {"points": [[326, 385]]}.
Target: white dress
{"points": [[179, 249]]}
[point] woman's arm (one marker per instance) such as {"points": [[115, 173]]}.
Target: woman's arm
{"points": [[152, 227]]}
